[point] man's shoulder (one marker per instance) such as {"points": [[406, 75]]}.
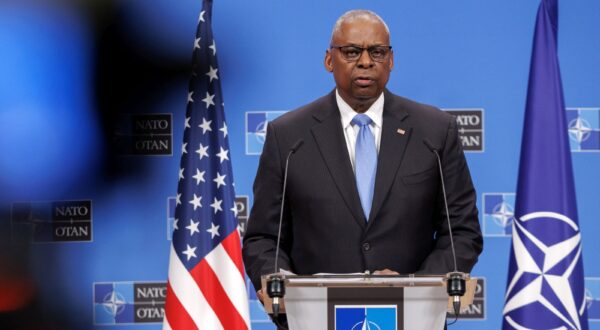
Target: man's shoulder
{"points": [[416, 110]]}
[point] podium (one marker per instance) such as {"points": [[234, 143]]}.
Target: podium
{"points": [[367, 301]]}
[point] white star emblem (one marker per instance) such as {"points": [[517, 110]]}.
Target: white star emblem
{"points": [[209, 100], [544, 274], [216, 205], [187, 122], [223, 154], [184, 148], [261, 131], [175, 226], [193, 227], [234, 210], [196, 201], [199, 176], [202, 151], [181, 174], [113, 303], [201, 17], [503, 214], [589, 299], [178, 199], [212, 73], [214, 230], [213, 47], [579, 129], [220, 180], [224, 129], [197, 43], [190, 97], [190, 252], [205, 125]]}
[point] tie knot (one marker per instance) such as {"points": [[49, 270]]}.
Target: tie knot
{"points": [[362, 120]]}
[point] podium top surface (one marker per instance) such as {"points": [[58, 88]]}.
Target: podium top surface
{"points": [[354, 280]]}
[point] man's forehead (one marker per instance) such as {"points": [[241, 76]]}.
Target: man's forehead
{"points": [[362, 30]]}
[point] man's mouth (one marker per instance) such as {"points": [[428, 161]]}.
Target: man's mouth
{"points": [[364, 81]]}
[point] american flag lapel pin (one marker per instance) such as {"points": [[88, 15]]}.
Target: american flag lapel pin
{"points": [[400, 131]]}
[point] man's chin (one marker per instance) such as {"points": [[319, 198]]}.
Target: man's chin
{"points": [[366, 96]]}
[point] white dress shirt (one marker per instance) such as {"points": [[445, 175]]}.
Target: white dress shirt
{"points": [[375, 112]]}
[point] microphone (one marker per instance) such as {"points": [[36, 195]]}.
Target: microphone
{"points": [[275, 284], [456, 284]]}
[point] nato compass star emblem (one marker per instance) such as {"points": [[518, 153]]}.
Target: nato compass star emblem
{"points": [[589, 299], [547, 252], [261, 132], [579, 129], [503, 214], [114, 303]]}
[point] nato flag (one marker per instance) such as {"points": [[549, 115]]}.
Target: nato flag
{"points": [[545, 281]]}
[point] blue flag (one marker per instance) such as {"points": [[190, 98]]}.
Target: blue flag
{"points": [[545, 288]]}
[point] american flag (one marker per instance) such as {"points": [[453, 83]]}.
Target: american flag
{"points": [[206, 287]]}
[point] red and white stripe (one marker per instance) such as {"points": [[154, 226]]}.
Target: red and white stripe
{"points": [[212, 295]]}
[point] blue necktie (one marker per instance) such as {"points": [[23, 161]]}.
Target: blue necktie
{"points": [[365, 162]]}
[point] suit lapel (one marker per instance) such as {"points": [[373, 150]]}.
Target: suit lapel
{"points": [[329, 137], [394, 139]]}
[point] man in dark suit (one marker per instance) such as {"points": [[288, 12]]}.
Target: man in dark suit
{"points": [[345, 214]]}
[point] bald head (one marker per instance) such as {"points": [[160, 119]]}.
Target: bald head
{"points": [[355, 15]]}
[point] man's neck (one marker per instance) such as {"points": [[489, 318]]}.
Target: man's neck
{"points": [[359, 105]]}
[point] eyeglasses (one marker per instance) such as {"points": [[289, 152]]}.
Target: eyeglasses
{"points": [[377, 53]]}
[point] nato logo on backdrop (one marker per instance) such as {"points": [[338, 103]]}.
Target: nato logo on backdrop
{"points": [[498, 214], [57, 221], [256, 129], [592, 297], [144, 134], [119, 303], [470, 128], [584, 129], [241, 204]]}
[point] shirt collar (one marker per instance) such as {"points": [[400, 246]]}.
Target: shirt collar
{"points": [[375, 112]]}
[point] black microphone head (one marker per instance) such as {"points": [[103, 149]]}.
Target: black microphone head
{"points": [[429, 145], [296, 146], [276, 286]]}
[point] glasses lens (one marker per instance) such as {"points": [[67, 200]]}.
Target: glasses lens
{"points": [[351, 53], [378, 53]]}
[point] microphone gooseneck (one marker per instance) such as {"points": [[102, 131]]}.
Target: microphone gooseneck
{"points": [[437, 156], [293, 149], [456, 284], [275, 283]]}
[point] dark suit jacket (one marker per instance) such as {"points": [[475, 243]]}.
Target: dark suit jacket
{"points": [[324, 228]]}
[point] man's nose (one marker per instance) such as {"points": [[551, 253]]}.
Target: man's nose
{"points": [[365, 60]]}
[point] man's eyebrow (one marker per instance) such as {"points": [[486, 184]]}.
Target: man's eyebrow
{"points": [[360, 46]]}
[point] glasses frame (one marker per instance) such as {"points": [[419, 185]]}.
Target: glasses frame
{"points": [[362, 50]]}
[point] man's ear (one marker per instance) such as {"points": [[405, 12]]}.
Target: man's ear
{"points": [[328, 61]]}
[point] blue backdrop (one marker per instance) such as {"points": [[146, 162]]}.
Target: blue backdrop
{"points": [[92, 103]]}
